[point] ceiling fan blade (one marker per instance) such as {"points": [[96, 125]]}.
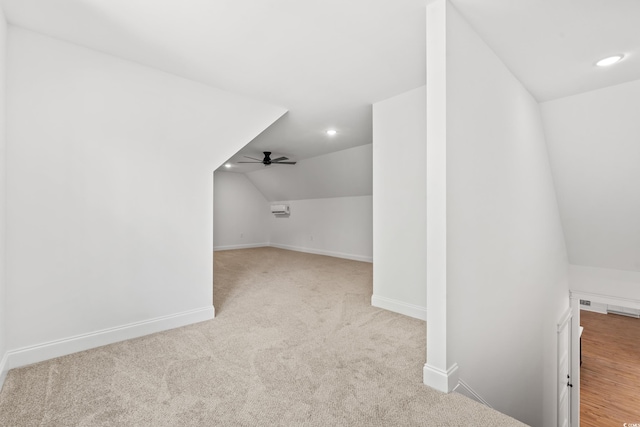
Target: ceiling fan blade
{"points": [[249, 162], [283, 163], [253, 158], [280, 159]]}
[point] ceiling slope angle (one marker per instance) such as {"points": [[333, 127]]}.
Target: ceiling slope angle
{"points": [[346, 173], [594, 154], [552, 46], [325, 61]]}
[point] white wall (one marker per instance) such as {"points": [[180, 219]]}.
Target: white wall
{"points": [[109, 195], [330, 200], [337, 226], [399, 204], [240, 213], [593, 144], [608, 286], [506, 260], [343, 173], [594, 151], [3, 306]]}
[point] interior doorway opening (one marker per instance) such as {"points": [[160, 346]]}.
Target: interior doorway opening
{"points": [[610, 369]]}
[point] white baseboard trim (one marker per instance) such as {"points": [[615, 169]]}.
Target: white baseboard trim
{"points": [[245, 246], [444, 381], [323, 252], [45, 351], [464, 389], [401, 307]]}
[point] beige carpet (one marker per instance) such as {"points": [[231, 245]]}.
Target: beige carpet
{"points": [[295, 343]]}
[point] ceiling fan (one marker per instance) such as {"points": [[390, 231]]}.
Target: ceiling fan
{"points": [[267, 160]]}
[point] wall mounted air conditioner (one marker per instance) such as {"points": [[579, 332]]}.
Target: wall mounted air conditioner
{"points": [[280, 209]]}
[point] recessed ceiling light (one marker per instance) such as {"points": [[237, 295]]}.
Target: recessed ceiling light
{"points": [[609, 61], [228, 165], [332, 132]]}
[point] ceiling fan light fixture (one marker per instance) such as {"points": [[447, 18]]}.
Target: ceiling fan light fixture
{"points": [[610, 60]]}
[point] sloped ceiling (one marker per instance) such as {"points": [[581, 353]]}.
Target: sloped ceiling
{"points": [[327, 61], [338, 174], [590, 113], [594, 149], [552, 46]]}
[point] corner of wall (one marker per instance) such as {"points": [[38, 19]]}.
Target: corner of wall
{"points": [[501, 210], [3, 45], [4, 369], [240, 213], [400, 238], [400, 307], [123, 183], [444, 381]]}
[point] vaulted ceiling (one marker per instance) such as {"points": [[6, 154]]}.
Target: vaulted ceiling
{"points": [[552, 46], [327, 61], [594, 149]]}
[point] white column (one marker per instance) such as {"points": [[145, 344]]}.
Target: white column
{"points": [[438, 372]]}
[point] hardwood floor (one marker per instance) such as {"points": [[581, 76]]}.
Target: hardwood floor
{"points": [[610, 372]]}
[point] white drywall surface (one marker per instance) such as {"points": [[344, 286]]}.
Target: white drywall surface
{"points": [[606, 282], [240, 213], [345, 173], [507, 279], [337, 226], [399, 201], [3, 204], [594, 150], [110, 188]]}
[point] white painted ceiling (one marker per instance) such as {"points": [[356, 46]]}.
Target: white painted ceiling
{"points": [[345, 173], [552, 46], [327, 61]]}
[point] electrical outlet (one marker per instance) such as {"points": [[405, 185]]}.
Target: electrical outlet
{"points": [[585, 302]]}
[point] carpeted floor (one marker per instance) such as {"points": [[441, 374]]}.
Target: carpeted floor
{"points": [[295, 343]]}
